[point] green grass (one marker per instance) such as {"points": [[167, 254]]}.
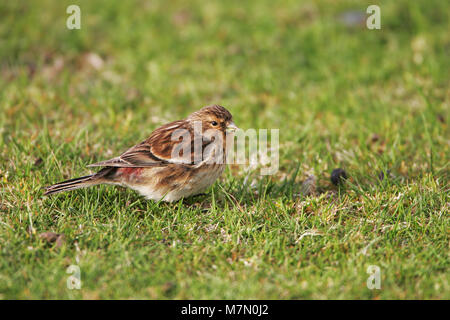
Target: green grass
{"points": [[342, 96]]}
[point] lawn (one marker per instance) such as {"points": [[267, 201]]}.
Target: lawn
{"points": [[373, 102]]}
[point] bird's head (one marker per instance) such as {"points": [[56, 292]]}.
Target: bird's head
{"points": [[214, 117]]}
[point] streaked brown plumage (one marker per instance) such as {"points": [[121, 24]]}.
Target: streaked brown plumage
{"points": [[150, 167]]}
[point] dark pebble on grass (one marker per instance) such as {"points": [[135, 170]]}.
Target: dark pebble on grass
{"points": [[338, 175]]}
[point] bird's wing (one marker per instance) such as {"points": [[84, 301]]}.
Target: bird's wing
{"points": [[137, 157], [155, 151]]}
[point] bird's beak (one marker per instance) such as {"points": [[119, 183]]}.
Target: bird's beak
{"points": [[231, 127]]}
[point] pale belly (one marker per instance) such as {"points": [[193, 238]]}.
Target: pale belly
{"points": [[164, 184]]}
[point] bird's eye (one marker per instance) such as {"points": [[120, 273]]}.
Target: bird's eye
{"points": [[214, 123]]}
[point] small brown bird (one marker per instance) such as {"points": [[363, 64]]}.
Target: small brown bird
{"points": [[178, 160]]}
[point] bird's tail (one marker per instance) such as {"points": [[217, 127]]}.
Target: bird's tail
{"points": [[77, 183]]}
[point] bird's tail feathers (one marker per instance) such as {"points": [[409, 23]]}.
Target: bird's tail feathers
{"points": [[82, 182], [71, 184]]}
